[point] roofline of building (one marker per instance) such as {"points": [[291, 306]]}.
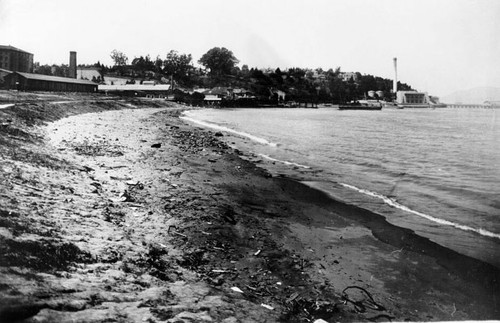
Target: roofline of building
{"points": [[135, 87], [51, 78], [88, 68], [121, 77], [412, 92], [9, 47]]}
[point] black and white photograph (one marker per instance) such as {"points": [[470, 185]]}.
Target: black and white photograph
{"points": [[242, 161]]}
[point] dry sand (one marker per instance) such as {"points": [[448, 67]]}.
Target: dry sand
{"points": [[131, 215]]}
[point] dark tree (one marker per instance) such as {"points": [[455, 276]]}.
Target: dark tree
{"points": [[244, 71], [60, 70], [158, 64], [43, 69], [367, 83], [119, 58], [142, 64], [178, 65], [219, 60]]}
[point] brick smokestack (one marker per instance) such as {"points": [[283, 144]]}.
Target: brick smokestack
{"points": [[72, 65], [395, 81]]}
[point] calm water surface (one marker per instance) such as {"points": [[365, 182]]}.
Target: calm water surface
{"points": [[434, 171]]}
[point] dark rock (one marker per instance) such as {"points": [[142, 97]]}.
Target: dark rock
{"points": [[19, 312], [218, 281], [86, 169], [219, 134], [229, 215], [155, 145]]}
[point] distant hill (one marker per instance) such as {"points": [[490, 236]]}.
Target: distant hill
{"points": [[473, 96]]}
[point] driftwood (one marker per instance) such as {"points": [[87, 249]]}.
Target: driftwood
{"points": [[361, 306]]}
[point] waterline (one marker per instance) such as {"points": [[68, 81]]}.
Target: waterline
{"points": [[284, 162], [397, 205], [226, 129]]}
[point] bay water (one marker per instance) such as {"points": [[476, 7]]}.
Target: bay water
{"points": [[435, 171]]}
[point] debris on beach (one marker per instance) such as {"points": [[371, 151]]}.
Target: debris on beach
{"points": [[361, 299], [236, 289], [269, 307]]}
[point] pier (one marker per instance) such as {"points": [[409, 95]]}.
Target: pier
{"points": [[473, 106]]}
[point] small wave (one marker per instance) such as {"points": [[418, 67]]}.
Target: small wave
{"points": [[62, 102], [222, 128], [395, 204], [284, 161], [3, 106]]}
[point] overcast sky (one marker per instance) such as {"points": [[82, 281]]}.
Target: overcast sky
{"points": [[442, 45]]}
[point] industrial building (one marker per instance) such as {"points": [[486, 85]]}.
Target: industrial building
{"points": [[412, 99], [38, 82], [3, 74], [15, 59], [409, 99], [17, 80], [72, 65]]}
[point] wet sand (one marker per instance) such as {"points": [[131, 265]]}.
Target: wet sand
{"points": [[134, 215]]}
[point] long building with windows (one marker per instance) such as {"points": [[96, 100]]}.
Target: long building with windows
{"points": [[15, 59], [37, 82]]}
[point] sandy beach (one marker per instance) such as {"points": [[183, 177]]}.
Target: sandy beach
{"points": [[116, 210]]}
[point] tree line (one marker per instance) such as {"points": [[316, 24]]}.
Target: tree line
{"points": [[219, 67]]}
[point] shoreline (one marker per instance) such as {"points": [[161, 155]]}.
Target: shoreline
{"points": [[447, 224], [403, 240], [222, 222]]}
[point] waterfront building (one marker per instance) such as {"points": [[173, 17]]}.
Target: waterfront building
{"points": [[15, 59], [412, 99], [242, 94], [278, 94], [492, 104]]}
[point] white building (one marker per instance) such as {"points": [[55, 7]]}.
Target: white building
{"points": [[346, 76], [116, 80], [88, 73], [412, 99]]}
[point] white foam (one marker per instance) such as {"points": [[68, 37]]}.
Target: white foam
{"points": [[284, 161], [3, 106], [395, 204], [226, 129], [62, 102]]}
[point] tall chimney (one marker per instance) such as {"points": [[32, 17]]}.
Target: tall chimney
{"points": [[395, 81], [72, 65]]}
